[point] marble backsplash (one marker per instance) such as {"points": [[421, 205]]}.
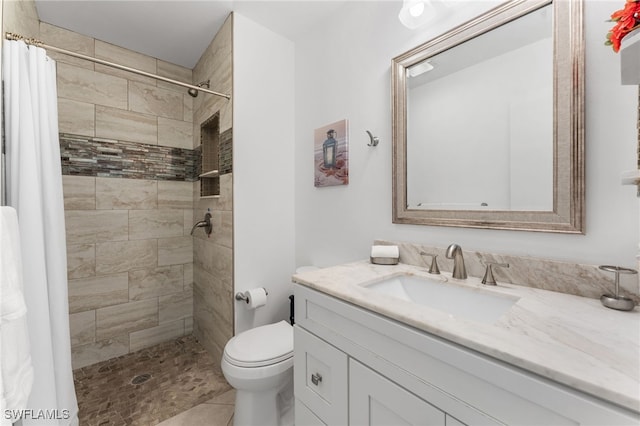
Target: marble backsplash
{"points": [[563, 277]]}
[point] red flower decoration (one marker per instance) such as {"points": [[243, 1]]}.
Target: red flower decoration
{"points": [[627, 20]]}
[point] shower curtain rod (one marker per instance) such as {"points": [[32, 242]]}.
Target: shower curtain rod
{"points": [[38, 43]]}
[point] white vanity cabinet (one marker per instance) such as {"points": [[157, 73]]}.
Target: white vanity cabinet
{"points": [[356, 367], [334, 389]]}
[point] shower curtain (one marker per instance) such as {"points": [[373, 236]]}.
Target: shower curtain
{"points": [[34, 189]]}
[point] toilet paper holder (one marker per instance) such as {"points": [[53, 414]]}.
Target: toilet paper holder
{"points": [[242, 296]]}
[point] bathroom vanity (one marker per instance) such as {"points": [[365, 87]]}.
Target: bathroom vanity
{"points": [[366, 352]]}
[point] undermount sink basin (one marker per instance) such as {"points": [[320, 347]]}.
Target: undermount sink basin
{"points": [[437, 293]]}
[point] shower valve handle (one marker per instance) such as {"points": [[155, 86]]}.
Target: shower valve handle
{"points": [[206, 224]]}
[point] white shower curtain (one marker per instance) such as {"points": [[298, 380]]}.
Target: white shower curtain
{"points": [[34, 189]]}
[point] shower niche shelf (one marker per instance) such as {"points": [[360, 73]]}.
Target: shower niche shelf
{"points": [[210, 140], [211, 174]]}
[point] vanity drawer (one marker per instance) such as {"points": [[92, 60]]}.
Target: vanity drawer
{"points": [[320, 375]]}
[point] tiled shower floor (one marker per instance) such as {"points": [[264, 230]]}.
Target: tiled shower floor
{"points": [[182, 376]]}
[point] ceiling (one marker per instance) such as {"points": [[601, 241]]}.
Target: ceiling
{"points": [[178, 31]]}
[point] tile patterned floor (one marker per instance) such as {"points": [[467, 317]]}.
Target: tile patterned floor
{"points": [[184, 382], [215, 412]]}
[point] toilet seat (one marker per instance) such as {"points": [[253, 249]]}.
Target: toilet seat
{"points": [[261, 346]]}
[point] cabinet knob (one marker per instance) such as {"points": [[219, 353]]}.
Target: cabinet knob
{"points": [[316, 378]]}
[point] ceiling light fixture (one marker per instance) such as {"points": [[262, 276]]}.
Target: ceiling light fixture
{"points": [[415, 13], [416, 10]]}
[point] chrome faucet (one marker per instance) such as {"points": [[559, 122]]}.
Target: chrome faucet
{"points": [[454, 252]]}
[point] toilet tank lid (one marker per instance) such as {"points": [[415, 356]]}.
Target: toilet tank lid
{"points": [[264, 345], [301, 269]]}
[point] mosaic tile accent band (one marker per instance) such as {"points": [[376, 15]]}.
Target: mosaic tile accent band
{"points": [[225, 154], [89, 156]]}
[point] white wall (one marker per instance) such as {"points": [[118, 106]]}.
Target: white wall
{"points": [[263, 162], [2, 183], [343, 71]]}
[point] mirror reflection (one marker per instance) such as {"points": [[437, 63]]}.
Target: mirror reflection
{"points": [[480, 116]]}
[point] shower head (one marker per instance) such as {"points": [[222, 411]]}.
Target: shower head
{"points": [[194, 92]]}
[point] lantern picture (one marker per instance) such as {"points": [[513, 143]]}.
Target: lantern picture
{"points": [[331, 154]]}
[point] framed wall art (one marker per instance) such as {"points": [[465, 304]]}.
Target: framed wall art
{"points": [[331, 154]]}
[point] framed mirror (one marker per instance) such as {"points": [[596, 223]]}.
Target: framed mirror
{"points": [[488, 122]]}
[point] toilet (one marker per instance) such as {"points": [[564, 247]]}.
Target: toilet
{"points": [[258, 363]]}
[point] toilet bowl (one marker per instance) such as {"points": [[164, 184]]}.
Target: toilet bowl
{"points": [[258, 363]]}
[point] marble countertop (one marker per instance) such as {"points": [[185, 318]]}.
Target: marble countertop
{"points": [[570, 339]]}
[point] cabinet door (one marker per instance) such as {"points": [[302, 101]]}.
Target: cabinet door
{"points": [[320, 377], [376, 400]]}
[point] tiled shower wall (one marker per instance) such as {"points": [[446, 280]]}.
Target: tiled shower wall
{"points": [[213, 308], [129, 257], [129, 252]]}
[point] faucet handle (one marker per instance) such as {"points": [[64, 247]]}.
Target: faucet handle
{"points": [[433, 269], [488, 278]]}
